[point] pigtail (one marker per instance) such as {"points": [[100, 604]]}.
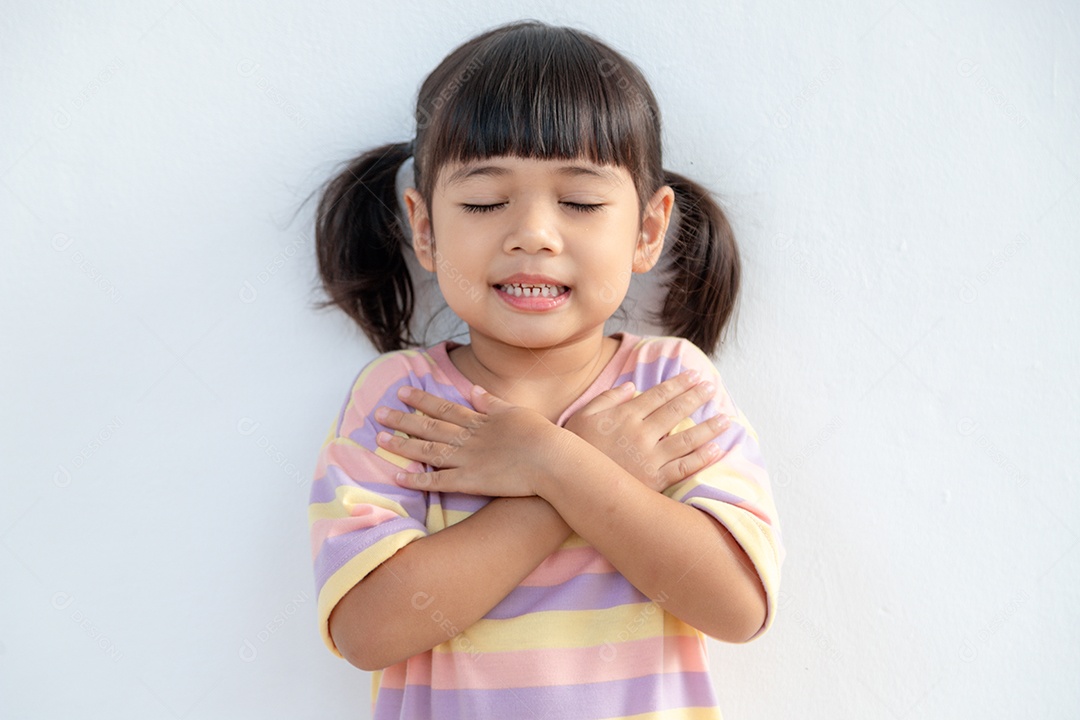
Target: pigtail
{"points": [[704, 271], [359, 242]]}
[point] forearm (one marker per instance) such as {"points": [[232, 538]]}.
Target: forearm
{"points": [[673, 553], [441, 584]]}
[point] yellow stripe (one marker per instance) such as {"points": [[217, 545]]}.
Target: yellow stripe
{"points": [[576, 629], [347, 496], [394, 457], [352, 572], [724, 478]]}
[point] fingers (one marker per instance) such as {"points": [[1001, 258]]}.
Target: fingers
{"points": [[454, 480], [657, 396], [430, 481], [428, 452], [609, 399], [684, 467], [433, 481], [485, 402], [439, 419], [690, 451], [693, 438], [436, 406], [675, 400]]}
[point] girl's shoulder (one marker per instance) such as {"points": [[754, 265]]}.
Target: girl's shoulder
{"points": [[391, 367], [378, 381], [670, 350]]}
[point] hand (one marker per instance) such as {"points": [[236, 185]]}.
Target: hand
{"points": [[634, 432], [494, 450]]}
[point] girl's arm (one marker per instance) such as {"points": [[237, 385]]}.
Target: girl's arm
{"points": [[437, 586], [672, 552]]}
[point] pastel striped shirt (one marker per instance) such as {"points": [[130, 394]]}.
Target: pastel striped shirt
{"points": [[575, 639]]}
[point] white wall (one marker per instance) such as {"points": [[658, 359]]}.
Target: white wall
{"points": [[905, 184]]}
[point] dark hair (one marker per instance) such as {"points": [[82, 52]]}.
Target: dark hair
{"points": [[535, 91]]}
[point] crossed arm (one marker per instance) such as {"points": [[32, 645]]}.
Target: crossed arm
{"points": [[549, 481]]}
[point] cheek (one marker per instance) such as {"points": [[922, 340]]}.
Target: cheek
{"points": [[458, 268]]}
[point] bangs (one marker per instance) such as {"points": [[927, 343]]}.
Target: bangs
{"points": [[541, 93]]}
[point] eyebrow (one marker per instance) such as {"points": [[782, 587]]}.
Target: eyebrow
{"points": [[470, 171]]}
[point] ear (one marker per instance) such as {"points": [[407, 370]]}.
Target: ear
{"points": [[654, 224], [420, 222]]}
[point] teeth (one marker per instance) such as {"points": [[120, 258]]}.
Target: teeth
{"points": [[519, 290]]}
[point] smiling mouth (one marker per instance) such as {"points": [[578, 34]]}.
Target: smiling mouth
{"points": [[529, 290]]}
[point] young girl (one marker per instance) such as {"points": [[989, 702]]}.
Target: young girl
{"points": [[546, 521]]}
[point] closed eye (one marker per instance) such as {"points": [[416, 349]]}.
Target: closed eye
{"points": [[584, 208], [580, 207], [481, 208]]}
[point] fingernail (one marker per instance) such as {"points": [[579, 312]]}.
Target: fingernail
{"points": [[627, 386], [404, 391], [707, 387], [381, 413], [383, 437], [480, 390], [692, 375]]}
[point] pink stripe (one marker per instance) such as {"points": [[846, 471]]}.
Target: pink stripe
{"points": [[752, 508], [563, 565], [653, 348], [417, 670], [549, 667], [355, 460], [363, 516], [389, 370]]}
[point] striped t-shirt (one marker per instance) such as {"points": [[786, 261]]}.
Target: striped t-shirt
{"points": [[575, 639]]}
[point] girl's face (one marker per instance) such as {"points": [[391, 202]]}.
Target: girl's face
{"points": [[536, 253]]}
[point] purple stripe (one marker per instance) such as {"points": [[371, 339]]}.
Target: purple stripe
{"points": [[336, 551], [614, 698], [730, 439], [750, 449], [365, 433], [588, 591], [736, 435], [706, 492], [710, 493]]}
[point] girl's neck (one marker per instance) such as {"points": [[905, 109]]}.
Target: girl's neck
{"points": [[547, 380]]}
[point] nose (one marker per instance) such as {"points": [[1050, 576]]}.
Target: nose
{"points": [[534, 228]]}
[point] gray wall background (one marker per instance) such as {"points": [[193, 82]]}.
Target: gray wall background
{"points": [[904, 181]]}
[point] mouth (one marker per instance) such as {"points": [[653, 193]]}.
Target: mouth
{"points": [[531, 290], [533, 293]]}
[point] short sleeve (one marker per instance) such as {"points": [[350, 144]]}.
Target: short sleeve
{"points": [[734, 488], [358, 516]]}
